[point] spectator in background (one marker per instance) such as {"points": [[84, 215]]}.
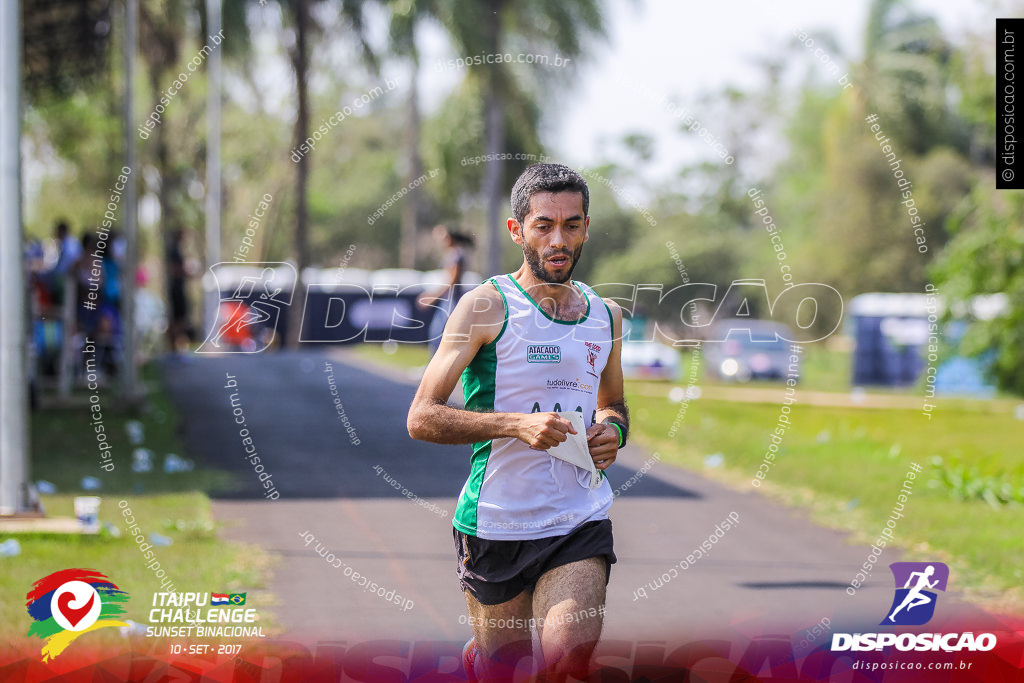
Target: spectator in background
{"points": [[69, 251], [68, 248], [35, 256], [455, 245], [177, 322], [87, 312], [108, 336], [98, 302], [35, 267]]}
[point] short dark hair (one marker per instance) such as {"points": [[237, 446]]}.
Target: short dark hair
{"points": [[546, 178]]}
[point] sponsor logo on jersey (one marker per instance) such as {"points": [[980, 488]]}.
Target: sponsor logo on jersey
{"points": [[543, 353], [592, 351], [573, 384]]}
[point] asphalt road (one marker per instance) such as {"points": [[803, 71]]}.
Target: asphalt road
{"points": [[775, 572]]}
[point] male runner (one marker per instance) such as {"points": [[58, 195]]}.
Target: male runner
{"points": [[533, 540]]}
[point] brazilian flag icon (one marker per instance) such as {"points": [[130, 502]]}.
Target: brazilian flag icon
{"points": [[236, 598]]}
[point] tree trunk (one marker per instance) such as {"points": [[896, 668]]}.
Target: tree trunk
{"points": [[414, 168], [301, 241], [164, 192], [494, 133]]}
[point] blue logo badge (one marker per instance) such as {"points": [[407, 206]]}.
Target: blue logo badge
{"points": [[916, 583]]}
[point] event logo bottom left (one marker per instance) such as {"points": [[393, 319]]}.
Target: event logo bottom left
{"points": [[70, 603]]}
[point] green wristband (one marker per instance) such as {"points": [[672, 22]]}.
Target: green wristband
{"points": [[622, 442]]}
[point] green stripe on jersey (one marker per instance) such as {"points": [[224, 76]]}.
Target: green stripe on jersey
{"points": [[478, 380], [478, 384]]}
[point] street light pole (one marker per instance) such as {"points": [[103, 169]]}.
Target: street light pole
{"points": [[14, 442], [129, 375], [211, 296]]}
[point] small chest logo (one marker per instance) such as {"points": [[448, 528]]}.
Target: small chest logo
{"points": [[592, 351], [544, 353]]}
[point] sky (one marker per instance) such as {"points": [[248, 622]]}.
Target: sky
{"points": [[677, 50]]}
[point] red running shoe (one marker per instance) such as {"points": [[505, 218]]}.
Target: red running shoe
{"points": [[469, 653]]}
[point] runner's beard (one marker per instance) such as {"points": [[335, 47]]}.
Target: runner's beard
{"points": [[533, 260]]}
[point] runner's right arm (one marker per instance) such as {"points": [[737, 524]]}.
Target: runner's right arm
{"points": [[476, 321]]}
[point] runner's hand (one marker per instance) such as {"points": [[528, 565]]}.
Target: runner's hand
{"points": [[603, 441], [542, 431]]}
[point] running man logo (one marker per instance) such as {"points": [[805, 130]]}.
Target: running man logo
{"points": [[247, 320], [914, 603], [70, 603]]}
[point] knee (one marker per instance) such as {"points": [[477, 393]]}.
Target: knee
{"points": [[571, 661], [499, 662]]}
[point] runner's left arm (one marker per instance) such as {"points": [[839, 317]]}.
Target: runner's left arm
{"points": [[602, 437]]}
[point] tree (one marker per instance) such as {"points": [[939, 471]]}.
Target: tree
{"points": [[305, 28], [836, 197], [986, 256], [299, 54], [905, 73], [452, 142], [161, 34], [406, 16], [494, 27]]}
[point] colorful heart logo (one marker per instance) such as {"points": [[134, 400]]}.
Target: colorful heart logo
{"points": [[73, 615], [69, 603], [76, 605]]}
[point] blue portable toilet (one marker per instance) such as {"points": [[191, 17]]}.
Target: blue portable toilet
{"points": [[891, 335], [889, 331]]}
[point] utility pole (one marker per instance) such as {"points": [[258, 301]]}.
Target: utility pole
{"points": [[211, 297], [129, 370], [14, 443]]}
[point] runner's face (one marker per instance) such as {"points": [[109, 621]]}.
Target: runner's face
{"points": [[553, 234]]}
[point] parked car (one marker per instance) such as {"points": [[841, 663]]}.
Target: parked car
{"points": [[649, 360], [752, 349]]}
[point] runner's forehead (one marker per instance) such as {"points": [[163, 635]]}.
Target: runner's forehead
{"points": [[555, 206]]}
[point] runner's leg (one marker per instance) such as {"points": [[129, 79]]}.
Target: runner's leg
{"points": [[502, 633], [564, 598]]}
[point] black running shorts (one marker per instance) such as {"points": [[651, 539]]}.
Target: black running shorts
{"points": [[497, 571]]}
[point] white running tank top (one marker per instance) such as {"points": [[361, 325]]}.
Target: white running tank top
{"points": [[535, 364]]}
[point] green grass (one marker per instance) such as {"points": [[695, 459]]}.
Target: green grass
{"points": [[64, 447], [848, 465], [825, 370], [174, 505]]}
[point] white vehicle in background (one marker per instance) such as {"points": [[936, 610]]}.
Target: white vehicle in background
{"points": [[648, 359]]}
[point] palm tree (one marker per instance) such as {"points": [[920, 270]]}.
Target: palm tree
{"points": [[299, 55], [405, 17], [485, 26], [904, 74], [301, 15], [161, 34]]}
